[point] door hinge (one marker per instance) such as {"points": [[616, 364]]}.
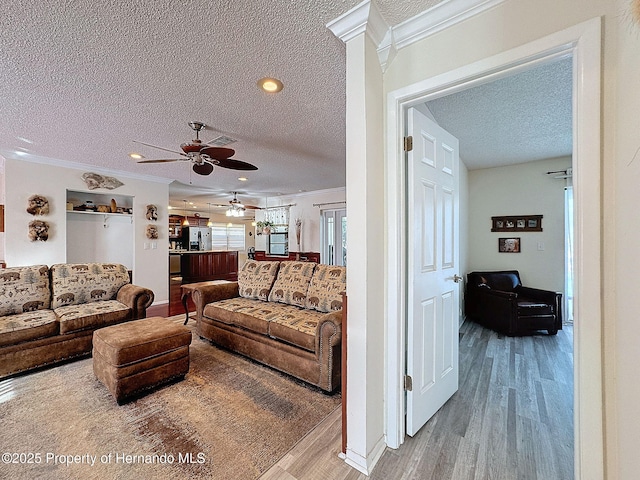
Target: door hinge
{"points": [[408, 143], [408, 383]]}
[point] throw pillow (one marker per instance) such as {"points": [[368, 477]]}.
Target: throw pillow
{"points": [[24, 289], [255, 279], [292, 283], [78, 283], [327, 285]]}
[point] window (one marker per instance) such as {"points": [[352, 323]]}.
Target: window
{"points": [[278, 240], [227, 236]]}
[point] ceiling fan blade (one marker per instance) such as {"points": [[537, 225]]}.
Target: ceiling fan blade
{"points": [[161, 148], [252, 207], [164, 160], [234, 164], [203, 168], [218, 153]]}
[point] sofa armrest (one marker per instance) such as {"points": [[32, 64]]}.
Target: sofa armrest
{"points": [[546, 296], [329, 330], [328, 347], [206, 294], [138, 299]]}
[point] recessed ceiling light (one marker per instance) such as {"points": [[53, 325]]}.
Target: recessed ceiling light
{"points": [[270, 85], [242, 179], [136, 156]]}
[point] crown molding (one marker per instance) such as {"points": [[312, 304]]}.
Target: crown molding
{"points": [[437, 18], [366, 18], [8, 155], [363, 18]]}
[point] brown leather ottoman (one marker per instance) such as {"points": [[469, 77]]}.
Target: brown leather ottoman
{"points": [[132, 357]]}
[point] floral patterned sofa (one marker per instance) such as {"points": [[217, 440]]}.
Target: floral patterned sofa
{"points": [[287, 315], [48, 315]]}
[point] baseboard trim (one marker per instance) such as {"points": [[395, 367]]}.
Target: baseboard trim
{"points": [[366, 464]]}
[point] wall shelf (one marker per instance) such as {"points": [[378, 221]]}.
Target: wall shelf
{"points": [[78, 199], [81, 212]]}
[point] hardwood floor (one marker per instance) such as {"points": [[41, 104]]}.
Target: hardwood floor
{"points": [[174, 307], [512, 418]]}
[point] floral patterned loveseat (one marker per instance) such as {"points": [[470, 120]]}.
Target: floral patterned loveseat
{"points": [[48, 315], [287, 315]]}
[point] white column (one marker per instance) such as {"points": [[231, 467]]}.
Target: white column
{"points": [[365, 236]]}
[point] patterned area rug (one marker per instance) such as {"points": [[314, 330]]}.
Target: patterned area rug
{"points": [[230, 418]]}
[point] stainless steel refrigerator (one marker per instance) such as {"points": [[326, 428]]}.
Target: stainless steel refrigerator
{"points": [[197, 238]]}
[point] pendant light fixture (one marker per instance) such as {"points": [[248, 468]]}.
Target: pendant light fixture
{"points": [[185, 222], [209, 223]]}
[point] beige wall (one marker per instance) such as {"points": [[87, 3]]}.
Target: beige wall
{"points": [[519, 190], [150, 267], [509, 25], [515, 23], [621, 171]]}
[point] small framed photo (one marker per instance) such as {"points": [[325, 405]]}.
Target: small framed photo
{"points": [[509, 245], [532, 223], [520, 223]]}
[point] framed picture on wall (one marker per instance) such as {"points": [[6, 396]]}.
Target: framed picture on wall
{"points": [[509, 245], [517, 223]]}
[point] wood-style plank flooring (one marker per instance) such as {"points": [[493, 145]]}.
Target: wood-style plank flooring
{"points": [[512, 418]]}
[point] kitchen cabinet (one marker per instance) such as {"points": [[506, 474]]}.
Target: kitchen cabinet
{"points": [[175, 224], [204, 266]]}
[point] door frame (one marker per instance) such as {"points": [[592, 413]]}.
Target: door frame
{"points": [[583, 43]]}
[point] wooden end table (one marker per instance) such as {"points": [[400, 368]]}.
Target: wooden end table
{"points": [[187, 289]]}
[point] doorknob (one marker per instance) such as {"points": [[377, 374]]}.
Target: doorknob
{"points": [[457, 278]]}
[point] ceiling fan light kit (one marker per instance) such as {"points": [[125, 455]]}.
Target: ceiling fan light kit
{"points": [[203, 157], [236, 209]]}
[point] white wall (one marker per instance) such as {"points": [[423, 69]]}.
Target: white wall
{"points": [[310, 239], [519, 190], [23, 179], [92, 239], [465, 235]]}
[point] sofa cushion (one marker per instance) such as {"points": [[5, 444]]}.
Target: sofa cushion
{"points": [[243, 312], [327, 285], [288, 323], [24, 289], [23, 327], [292, 283], [75, 284], [297, 326], [92, 315], [255, 279]]}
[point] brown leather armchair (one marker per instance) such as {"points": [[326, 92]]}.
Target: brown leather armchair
{"points": [[499, 301]]}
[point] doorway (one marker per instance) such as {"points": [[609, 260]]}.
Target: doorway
{"points": [[333, 234], [582, 42]]}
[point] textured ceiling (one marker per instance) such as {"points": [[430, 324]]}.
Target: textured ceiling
{"points": [[516, 119], [81, 80]]}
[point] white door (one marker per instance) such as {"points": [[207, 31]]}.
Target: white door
{"points": [[433, 291]]}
